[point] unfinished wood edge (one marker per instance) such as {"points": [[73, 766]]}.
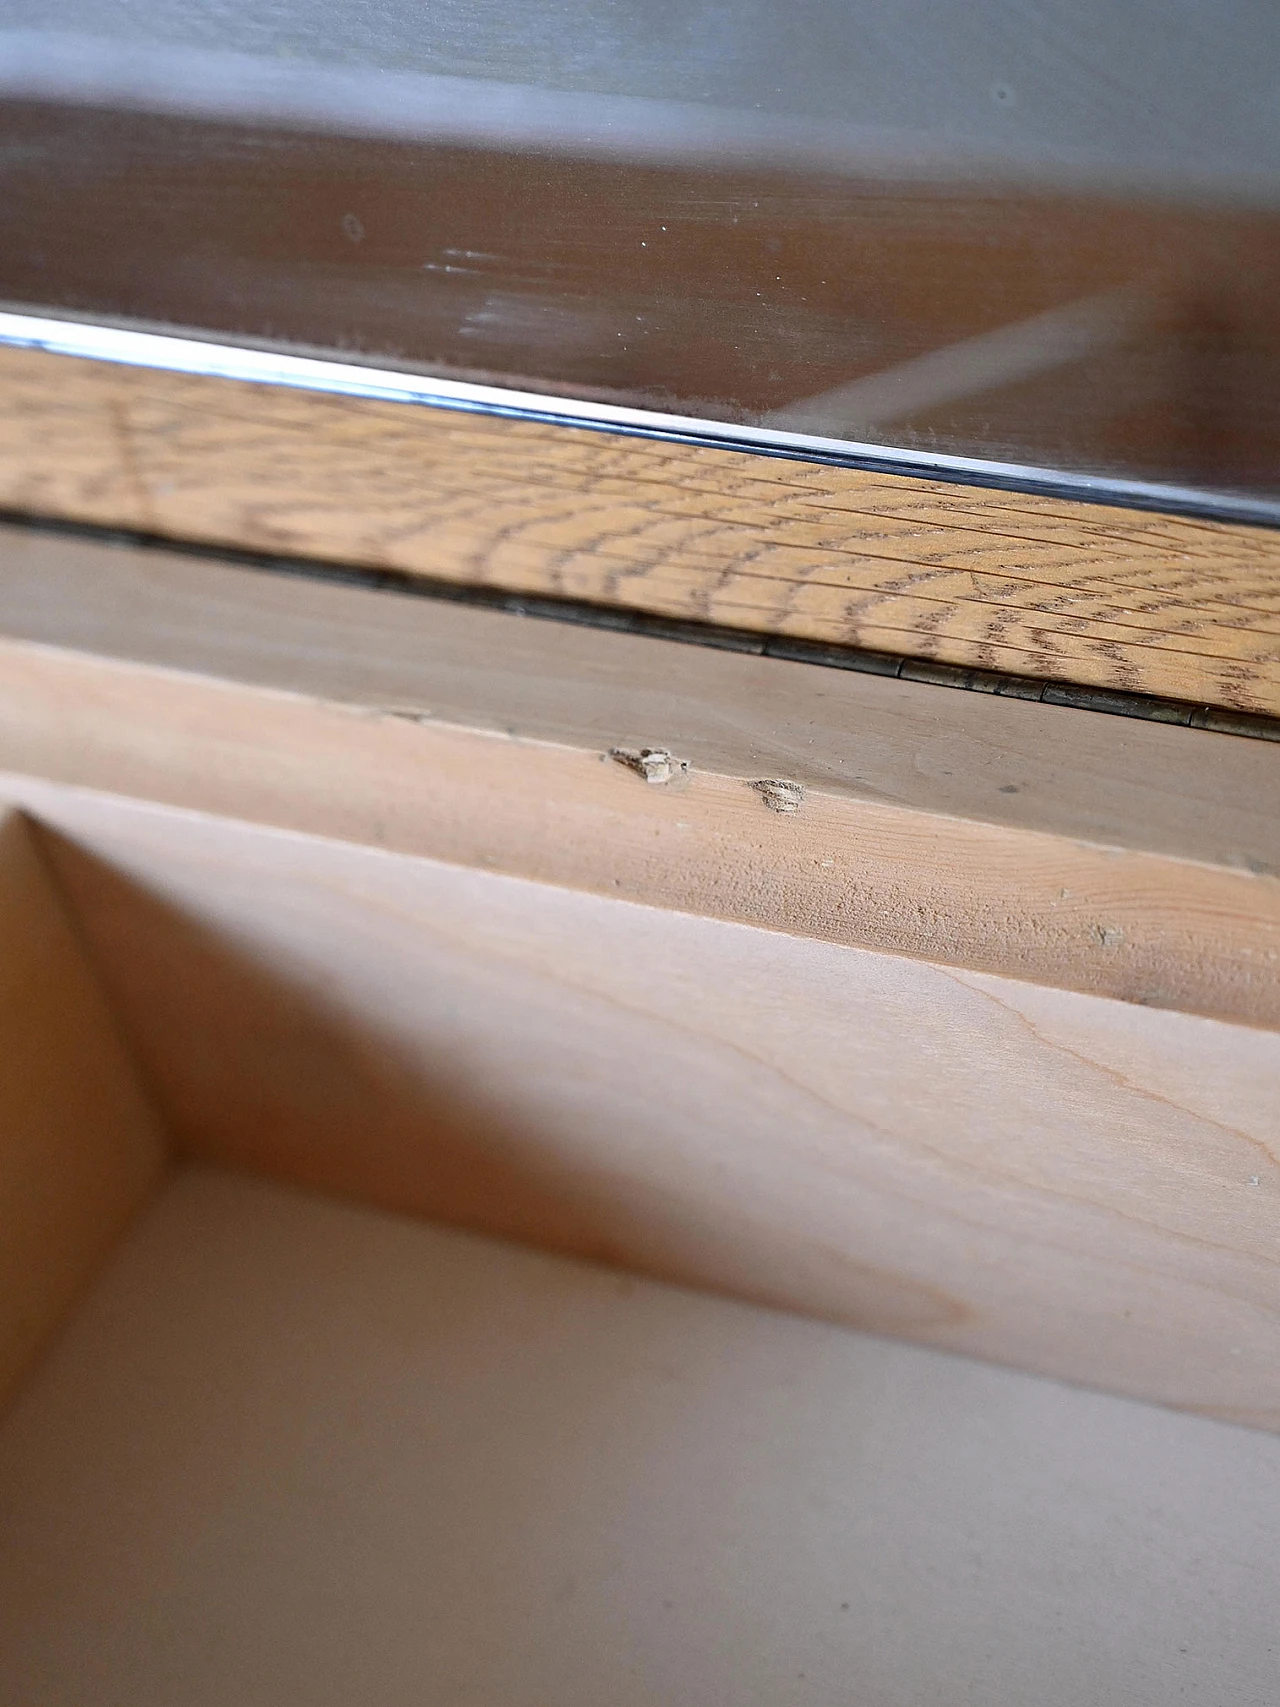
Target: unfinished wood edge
{"points": [[81, 1146], [754, 849], [1121, 859], [1112, 782], [1029, 585]]}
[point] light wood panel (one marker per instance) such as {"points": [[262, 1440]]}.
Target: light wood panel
{"points": [[1034, 586], [1077, 1186], [372, 1461], [80, 1146], [1121, 858]]}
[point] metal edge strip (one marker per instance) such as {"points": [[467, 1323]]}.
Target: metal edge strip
{"points": [[177, 353]]}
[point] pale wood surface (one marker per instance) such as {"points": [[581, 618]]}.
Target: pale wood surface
{"points": [[1062, 1181], [1097, 854], [80, 1147], [1115, 781], [1035, 586], [293, 1451], [1073, 1185]]}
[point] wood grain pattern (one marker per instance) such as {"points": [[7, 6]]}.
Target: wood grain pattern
{"points": [[1125, 859], [370, 917], [1034, 586], [1073, 1185], [80, 1145]]}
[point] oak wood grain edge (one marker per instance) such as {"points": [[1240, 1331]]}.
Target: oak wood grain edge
{"points": [[1034, 586]]}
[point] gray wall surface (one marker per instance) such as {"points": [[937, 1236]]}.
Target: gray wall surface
{"points": [[1175, 87]]}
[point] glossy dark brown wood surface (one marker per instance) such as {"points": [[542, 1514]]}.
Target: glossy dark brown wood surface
{"points": [[722, 292]]}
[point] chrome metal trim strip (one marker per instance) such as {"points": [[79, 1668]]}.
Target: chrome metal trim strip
{"points": [[176, 353]]}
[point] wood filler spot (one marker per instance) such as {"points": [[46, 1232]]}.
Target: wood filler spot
{"points": [[655, 764], [779, 796], [1110, 936]]}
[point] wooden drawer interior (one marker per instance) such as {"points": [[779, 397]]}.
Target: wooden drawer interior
{"points": [[434, 1270], [291, 1447], [294, 1450]]}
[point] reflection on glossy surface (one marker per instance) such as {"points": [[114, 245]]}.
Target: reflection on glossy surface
{"points": [[1044, 235]]}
